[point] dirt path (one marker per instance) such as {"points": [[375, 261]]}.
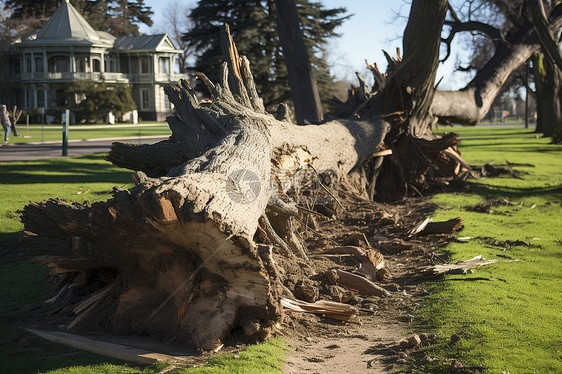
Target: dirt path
{"points": [[369, 343], [353, 351]]}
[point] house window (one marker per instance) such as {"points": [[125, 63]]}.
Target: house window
{"points": [[29, 99], [83, 64], [124, 65], [144, 65], [40, 99], [28, 65], [109, 65], [164, 65], [58, 64], [135, 66], [61, 65], [145, 98], [97, 66], [38, 64]]}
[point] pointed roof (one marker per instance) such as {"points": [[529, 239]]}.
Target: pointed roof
{"points": [[67, 25]]}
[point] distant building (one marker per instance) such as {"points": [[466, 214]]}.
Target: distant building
{"points": [[67, 49]]}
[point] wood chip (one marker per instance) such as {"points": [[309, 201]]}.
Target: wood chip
{"points": [[330, 309], [460, 267], [360, 284]]}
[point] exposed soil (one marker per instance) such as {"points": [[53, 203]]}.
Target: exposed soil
{"points": [[369, 341]]}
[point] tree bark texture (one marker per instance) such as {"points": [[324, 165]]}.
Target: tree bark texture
{"points": [[548, 82], [301, 78]]}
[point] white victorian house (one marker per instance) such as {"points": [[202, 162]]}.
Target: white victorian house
{"points": [[67, 49]]}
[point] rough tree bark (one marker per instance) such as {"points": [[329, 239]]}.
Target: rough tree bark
{"points": [[176, 256], [303, 84]]}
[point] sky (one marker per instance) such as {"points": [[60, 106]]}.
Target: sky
{"points": [[376, 25]]}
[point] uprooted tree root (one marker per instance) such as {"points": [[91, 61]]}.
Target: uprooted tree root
{"points": [[211, 238]]}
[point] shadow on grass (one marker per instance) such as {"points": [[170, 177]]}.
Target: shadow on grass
{"points": [[505, 147], [89, 169], [550, 193]]}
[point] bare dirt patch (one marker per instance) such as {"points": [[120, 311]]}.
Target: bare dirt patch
{"points": [[369, 342]]}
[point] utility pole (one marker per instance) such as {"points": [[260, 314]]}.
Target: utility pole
{"points": [[527, 94], [65, 133]]}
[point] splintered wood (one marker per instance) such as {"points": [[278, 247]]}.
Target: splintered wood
{"points": [[359, 284], [119, 351], [460, 267], [443, 227], [330, 309]]}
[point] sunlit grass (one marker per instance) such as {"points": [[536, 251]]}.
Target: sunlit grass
{"points": [[74, 180], [22, 282], [512, 324], [47, 133]]}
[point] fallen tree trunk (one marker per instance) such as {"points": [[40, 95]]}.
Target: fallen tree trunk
{"points": [[175, 256]]}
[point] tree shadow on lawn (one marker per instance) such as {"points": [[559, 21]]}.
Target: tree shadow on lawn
{"points": [[64, 171], [549, 193], [520, 147]]}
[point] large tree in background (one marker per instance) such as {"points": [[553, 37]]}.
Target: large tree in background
{"points": [[297, 60], [120, 17], [490, 24], [253, 26]]}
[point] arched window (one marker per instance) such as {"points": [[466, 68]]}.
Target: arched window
{"points": [[82, 64]]}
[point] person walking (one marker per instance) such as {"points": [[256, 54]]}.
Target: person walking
{"points": [[5, 118]]}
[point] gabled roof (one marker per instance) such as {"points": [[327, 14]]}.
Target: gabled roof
{"points": [[158, 42], [68, 26]]}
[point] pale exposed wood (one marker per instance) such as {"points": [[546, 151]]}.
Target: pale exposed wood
{"points": [[121, 352], [359, 283], [189, 265], [330, 309], [442, 227], [461, 267]]}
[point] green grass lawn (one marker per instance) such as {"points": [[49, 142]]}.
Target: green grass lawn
{"points": [[22, 282], [39, 133], [513, 324]]}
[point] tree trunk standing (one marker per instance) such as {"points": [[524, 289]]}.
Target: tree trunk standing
{"points": [[418, 70], [548, 84], [308, 106]]}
